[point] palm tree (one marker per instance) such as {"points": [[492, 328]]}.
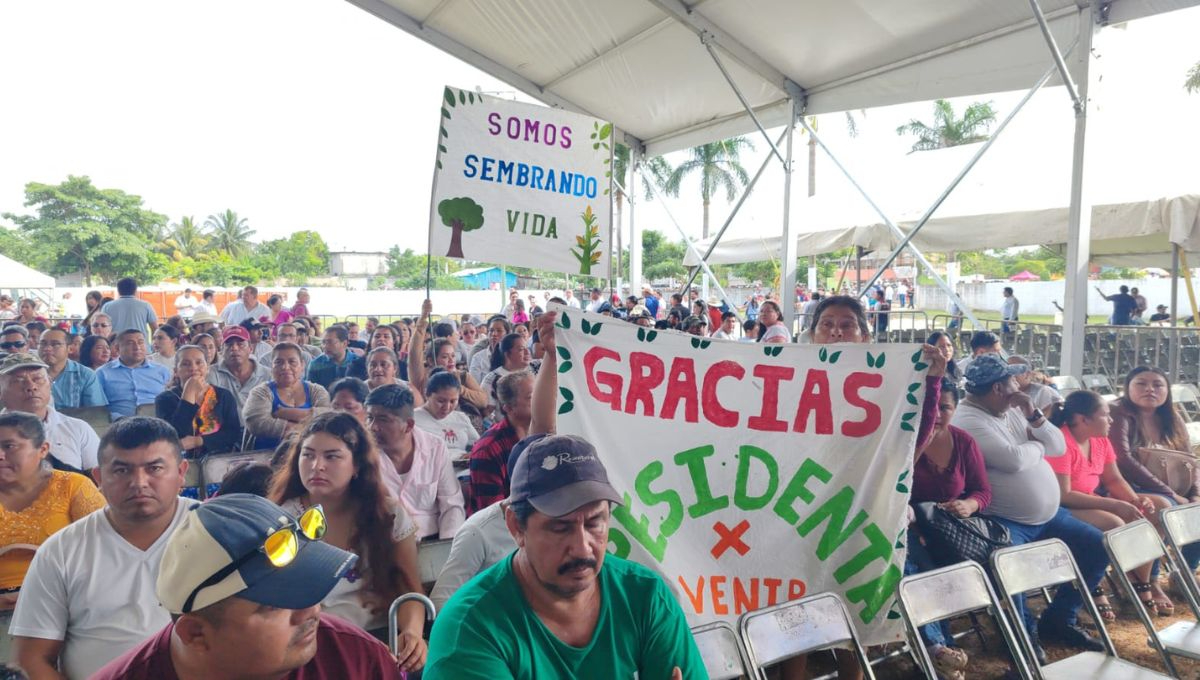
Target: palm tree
{"points": [[947, 130], [719, 168], [1192, 84], [229, 232], [186, 239]]}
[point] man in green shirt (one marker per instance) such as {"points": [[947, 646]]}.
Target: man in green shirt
{"points": [[560, 607]]}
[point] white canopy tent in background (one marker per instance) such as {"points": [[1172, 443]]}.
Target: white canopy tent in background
{"points": [[16, 276], [645, 66]]}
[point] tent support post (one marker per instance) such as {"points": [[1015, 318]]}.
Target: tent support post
{"points": [[905, 239], [1059, 62], [635, 236], [729, 220], [1175, 311], [707, 40], [1079, 221], [787, 254], [941, 283]]}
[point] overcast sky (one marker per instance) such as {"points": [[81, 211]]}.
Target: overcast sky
{"points": [[312, 114]]}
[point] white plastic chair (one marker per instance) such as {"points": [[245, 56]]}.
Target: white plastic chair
{"points": [[1045, 564], [782, 631], [944, 593], [721, 650], [1130, 547]]}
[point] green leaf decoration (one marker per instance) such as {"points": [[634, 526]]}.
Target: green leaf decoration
{"points": [[902, 488], [595, 328], [907, 427], [462, 97], [564, 321], [564, 353], [439, 164], [899, 542], [445, 113], [908, 416], [767, 351], [651, 335], [585, 326], [695, 343], [605, 131], [641, 334], [917, 356], [564, 367], [914, 387], [441, 148], [778, 349], [448, 94], [879, 360], [471, 97], [870, 361], [823, 354], [833, 358], [893, 615], [903, 475], [444, 133], [705, 343], [566, 407], [921, 366], [910, 399], [567, 394]]}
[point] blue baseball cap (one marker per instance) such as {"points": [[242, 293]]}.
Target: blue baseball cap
{"points": [[215, 536], [559, 474], [987, 369]]}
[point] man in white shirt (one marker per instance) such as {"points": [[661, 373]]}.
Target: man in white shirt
{"points": [[89, 593], [208, 302], [596, 301], [415, 465], [1045, 398], [25, 386], [186, 304], [480, 363], [246, 308], [482, 541], [1015, 439], [1010, 311], [572, 301]]}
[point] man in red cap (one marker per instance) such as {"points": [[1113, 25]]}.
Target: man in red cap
{"points": [[238, 371]]}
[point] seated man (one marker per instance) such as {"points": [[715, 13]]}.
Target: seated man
{"points": [[337, 361], [25, 386], [238, 609], [89, 593], [130, 380], [14, 338], [1015, 439], [489, 456], [415, 465], [238, 371], [982, 342], [560, 606], [74, 384]]}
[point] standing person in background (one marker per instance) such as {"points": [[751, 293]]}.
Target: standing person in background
{"points": [[127, 311], [278, 315], [74, 385], [883, 305], [595, 301], [93, 300], [650, 301], [301, 306], [1123, 306], [1141, 306], [207, 303], [185, 305], [1010, 312], [248, 307], [806, 311], [572, 301]]}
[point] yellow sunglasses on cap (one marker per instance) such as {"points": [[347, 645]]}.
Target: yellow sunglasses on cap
{"points": [[280, 548]]}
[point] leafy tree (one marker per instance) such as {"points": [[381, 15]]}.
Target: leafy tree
{"points": [[460, 214], [407, 269], [719, 167], [1192, 84], [186, 239], [229, 232], [300, 255], [948, 130], [99, 232], [661, 259], [220, 269], [14, 245]]}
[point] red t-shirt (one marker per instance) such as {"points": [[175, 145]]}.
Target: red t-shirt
{"points": [[1085, 472], [344, 651]]}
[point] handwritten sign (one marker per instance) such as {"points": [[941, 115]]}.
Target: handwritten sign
{"points": [[752, 474], [522, 185]]}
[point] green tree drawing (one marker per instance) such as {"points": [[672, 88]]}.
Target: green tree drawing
{"points": [[589, 244], [460, 214]]}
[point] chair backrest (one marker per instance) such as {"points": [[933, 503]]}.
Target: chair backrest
{"points": [[1067, 382], [1182, 523], [216, 466], [147, 410], [432, 556], [785, 630], [1097, 382], [942, 593], [721, 650], [96, 416], [1133, 545], [1022, 568]]}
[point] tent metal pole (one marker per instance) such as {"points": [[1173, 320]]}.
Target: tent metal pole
{"points": [[729, 220], [692, 247], [707, 40], [906, 238], [941, 283], [1059, 62], [1079, 220], [787, 254], [635, 236], [1175, 311]]}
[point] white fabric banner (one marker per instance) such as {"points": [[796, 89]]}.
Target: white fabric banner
{"points": [[752, 474], [520, 184]]}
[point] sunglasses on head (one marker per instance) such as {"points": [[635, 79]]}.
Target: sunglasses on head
{"points": [[280, 548]]}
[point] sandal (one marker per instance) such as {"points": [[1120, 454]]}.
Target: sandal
{"points": [[1147, 602], [1162, 601], [1105, 608]]}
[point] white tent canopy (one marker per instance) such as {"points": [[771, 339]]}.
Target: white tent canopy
{"points": [[14, 275], [641, 63]]}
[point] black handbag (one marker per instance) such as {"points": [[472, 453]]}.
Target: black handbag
{"points": [[952, 539]]}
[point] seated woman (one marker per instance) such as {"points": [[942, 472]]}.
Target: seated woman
{"points": [[95, 351], [35, 501], [348, 395], [205, 416], [208, 343], [383, 368], [945, 343], [949, 471], [441, 418], [281, 406], [444, 356], [334, 466], [510, 356], [165, 343]]}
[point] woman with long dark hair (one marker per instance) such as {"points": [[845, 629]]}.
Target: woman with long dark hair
{"points": [[1145, 417], [205, 416], [770, 324], [444, 355], [334, 464], [945, 344], [510, 356], [165, 342], [95, 351]]}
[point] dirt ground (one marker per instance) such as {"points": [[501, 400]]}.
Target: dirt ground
{"points": [[990, 660]]}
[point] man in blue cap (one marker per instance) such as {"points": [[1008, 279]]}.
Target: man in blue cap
{"points": [[243, 582], [560, 606]]}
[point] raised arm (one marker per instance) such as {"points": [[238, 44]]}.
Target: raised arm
{"points": [[416, 349], [545, 385]]}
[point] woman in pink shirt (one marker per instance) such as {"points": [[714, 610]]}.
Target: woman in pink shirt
{"points": [[1090, 461]]}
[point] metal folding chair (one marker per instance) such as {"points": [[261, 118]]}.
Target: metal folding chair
{"points": [[146, 410], [945, 593], [394, 624], [1182, 525], [432, 556], [782, 631], [1067, 384], [1045, 564], [213, 468], [1132, 546], [721, 650], [96, 416]]}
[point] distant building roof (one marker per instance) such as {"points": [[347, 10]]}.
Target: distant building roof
{"points": [[473, 271]]}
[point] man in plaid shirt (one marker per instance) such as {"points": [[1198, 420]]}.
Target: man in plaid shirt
{"points": [[489, 455]]}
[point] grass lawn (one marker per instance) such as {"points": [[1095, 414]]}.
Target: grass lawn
{"points": [[991, 315]]}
